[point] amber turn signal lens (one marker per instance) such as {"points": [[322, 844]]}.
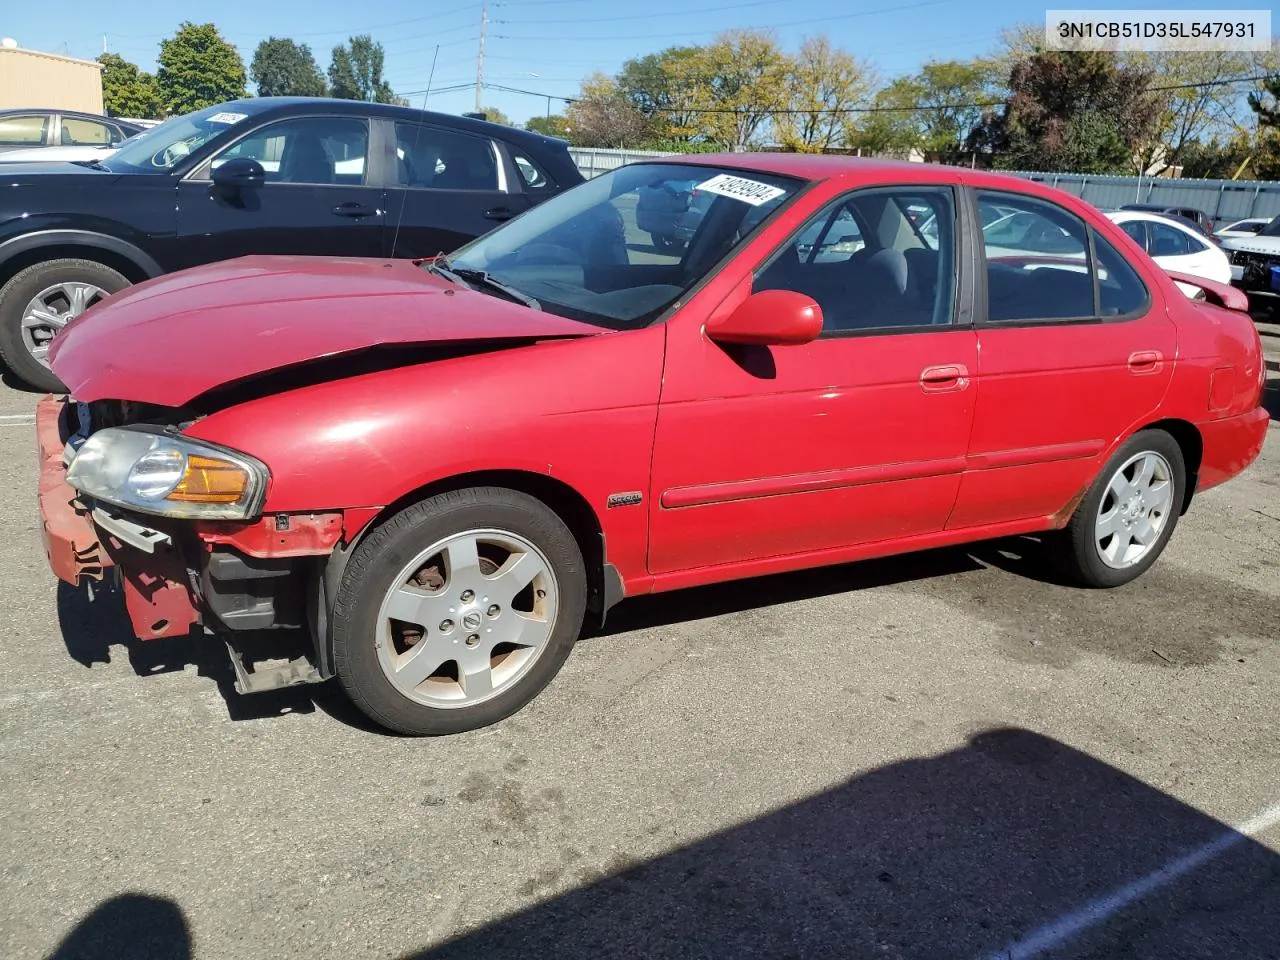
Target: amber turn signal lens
{"points": [[207, 480]]}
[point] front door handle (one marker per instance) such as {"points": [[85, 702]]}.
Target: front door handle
{"points": [[944, 378], [1145, 361], [499, 213], [353, 209]]}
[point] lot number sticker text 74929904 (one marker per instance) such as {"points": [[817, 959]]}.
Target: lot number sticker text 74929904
{"points": [[740, 188]]}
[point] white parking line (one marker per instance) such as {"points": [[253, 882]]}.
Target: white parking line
{"points": [[1053, 935]]}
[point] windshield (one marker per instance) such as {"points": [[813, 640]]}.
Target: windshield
{"points": [[618, 250], [164, 146]]}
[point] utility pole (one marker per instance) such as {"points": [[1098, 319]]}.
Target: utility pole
{"points": [[484, 22], [104, 43]]}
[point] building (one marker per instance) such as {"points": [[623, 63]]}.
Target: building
{"points": [[29, 78]]}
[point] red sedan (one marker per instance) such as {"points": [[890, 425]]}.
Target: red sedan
{"points": [[444, 471]]}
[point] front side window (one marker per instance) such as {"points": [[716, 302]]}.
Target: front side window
{"points": [[1038, 264], [23, 131], [311, 150], [85, 133], [589, 253], [880, 259], [431, 158]]}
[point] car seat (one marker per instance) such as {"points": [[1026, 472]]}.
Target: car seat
{"points": [[305, 160]]}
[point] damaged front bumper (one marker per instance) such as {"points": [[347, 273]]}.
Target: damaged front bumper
{"points": [[225, 577]]}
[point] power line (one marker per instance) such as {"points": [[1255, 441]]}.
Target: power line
{"points": [[721, 29], [688, 11]]}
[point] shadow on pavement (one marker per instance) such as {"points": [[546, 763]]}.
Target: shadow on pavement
{"points": [[1014, 845], [129, 926]]}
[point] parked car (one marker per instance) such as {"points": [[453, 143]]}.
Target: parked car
{"points": [[23, 129], [75, 153], [1201, 220], [1175, 245], [1247, 227], [1255, 263], [270, 175], [446, 470]]}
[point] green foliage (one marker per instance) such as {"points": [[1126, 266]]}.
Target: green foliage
{"points": [[198, 68], [553, 126], [128, 91], [1073, 112], [1266, 105], [494, 115], [282, 68], [355, 72]]}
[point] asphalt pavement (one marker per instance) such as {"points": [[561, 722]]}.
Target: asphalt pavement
{"points": [[944, 755]]}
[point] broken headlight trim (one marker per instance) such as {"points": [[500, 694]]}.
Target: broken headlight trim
{"points": [[158, 472]]}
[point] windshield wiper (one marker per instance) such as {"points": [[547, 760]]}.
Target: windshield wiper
{"points": [[472, 277]]}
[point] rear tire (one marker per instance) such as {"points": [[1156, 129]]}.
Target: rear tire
{"points": [[490, 645], [61, 290], [1129, 514]]}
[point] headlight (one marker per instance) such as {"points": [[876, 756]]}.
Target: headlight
{"points": [[149, 470]]}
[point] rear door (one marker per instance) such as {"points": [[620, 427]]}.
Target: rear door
{"points": [[1066, 366], [319, 198], [447, 188]]}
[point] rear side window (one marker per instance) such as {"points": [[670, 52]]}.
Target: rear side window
{"points": [[431, 158], [532, 176], [84, 133], [1121, 291], [1038, 263], [1168, 242], [23, 131]]}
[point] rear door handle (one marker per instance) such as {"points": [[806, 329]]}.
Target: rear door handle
{"points": [[353, 209], [944, 378], [499, 213], [1145, 361]]}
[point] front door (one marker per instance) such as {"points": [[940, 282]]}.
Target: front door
{"points": [[448, 187], [316, 200], [857, 437], [1067, 366]]}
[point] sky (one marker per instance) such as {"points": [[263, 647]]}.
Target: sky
{"points": [[545, 47]]}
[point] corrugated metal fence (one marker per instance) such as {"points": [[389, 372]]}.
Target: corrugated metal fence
{"points": [[1222, 200]]}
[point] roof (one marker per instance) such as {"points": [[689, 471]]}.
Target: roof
{"points": [[264, 106], [811, 166], [51, 56]]}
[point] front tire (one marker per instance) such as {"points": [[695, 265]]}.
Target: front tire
{"points": [[458, 611], [1126, 519], [38, 302]]}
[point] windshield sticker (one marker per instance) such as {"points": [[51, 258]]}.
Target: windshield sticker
{"points": [[740, 188], [227, 117]]}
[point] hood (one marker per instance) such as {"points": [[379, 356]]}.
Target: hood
{"points": [[169, 340], [1252, 244], [18, 172]]}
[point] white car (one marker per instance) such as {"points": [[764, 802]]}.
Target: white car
{"points": [[1247, 227], [1175, 247], [65, 154]]}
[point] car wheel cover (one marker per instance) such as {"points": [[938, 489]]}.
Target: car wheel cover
{"points": [[52, 309], [467, 618], [1136, 507]]}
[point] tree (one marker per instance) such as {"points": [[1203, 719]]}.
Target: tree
{"points": [[198, 69], [663, 87], [602, 116], [282, 68], [553, 126], [1266, 103], [744, 85], [494, 115], [126, 90], [355, 72], [935, 111], [1196, 100], [823, 83], [1072, 111]]}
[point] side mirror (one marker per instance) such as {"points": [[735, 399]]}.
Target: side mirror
{"points": [[238, 173], [769, 318]]}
